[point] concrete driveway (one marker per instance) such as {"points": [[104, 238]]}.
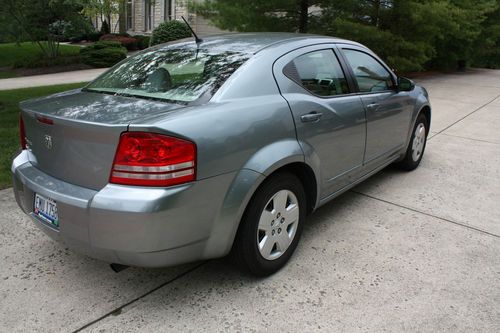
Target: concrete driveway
{"points": [[415, 251]]}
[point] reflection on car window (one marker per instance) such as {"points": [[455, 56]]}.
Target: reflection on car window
{"points": [[370, 74], [320, 73], [174, 74]]}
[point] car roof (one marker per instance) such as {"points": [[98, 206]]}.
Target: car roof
{"points": [[253, 42]]}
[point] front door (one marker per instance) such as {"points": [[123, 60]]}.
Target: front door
{"points": [[329, 118], [388, 111]]}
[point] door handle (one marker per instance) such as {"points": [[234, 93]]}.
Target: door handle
{"points": [[311, 117], [372, 106]]}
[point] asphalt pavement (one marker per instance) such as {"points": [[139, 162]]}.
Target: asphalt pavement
{"points": [[416, 251]]}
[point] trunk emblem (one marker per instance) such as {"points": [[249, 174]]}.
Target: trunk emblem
{"points": [[48, 141]]}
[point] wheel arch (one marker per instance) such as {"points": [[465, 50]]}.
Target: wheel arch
{"points": [[426, 110], [282, 156]]}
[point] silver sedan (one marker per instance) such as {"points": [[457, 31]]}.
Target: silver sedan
{"points": [[194, 150]]}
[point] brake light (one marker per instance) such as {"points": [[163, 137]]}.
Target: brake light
{"points": [[150, 159], [22, 133]]}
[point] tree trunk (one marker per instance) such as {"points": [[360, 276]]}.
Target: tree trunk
{"points": [[303, 15], [122, 17], [376, 13]]}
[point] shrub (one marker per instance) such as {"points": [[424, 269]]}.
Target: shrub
{"points": [[93, 36], [105, 27], [169, 31], [126, 41], [103, 54], [142, 41], [103, 45]]}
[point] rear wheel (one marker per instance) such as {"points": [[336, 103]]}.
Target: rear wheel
{"points": [[416, 147], [271, 226]]}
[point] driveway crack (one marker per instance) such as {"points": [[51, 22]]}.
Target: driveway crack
{"points": [[467, 115], [120, 308], [430, 215]]}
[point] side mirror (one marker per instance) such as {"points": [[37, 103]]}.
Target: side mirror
{"points": [[405, 84]]}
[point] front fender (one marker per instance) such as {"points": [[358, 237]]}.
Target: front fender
{"points": [[422, 101]]}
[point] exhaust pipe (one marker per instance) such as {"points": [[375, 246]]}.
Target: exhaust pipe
{"points": [[117, 268]]}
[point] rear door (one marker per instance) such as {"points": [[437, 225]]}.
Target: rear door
{"points": [[329, 118], [388, 111]]}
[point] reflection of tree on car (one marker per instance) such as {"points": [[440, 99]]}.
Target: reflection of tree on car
{"points": [[179, 75], [372, 81]]}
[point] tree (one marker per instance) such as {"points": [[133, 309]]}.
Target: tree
{"points": [[258, 15], [105, 9], [35, 17], [487, 47], [410, 34]]}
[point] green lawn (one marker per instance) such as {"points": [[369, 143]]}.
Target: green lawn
{"points": [[10, 52], [9, 122]]}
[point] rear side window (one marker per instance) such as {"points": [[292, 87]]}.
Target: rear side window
{"points": [[369, 73], [318, 72]]}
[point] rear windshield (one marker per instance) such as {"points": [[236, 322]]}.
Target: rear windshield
{"points": [[172, 74]]}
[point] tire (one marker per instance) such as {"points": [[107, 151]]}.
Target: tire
{"points": [[416, 146], [268, 235]]}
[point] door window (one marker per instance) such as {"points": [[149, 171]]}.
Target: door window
{"points": [[370, 74], [318, 72]]}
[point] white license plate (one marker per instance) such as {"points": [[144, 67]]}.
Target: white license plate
{"points": [[46, 209]]}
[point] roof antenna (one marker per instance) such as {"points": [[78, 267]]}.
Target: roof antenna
{"points": [[197, 39]]}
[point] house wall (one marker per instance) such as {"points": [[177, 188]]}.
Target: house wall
{"points": [[179, 9]]}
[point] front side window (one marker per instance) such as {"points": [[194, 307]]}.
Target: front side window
{"points": [[320, 73], [171, 74], [369, 73]]}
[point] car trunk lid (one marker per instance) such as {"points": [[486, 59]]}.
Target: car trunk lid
{"points": [[73, 136]]}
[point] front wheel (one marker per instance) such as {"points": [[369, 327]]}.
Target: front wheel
{"points": [[271, 226], [416, 147]]}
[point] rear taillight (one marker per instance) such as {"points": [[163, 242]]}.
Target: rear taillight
{"points": [[149, 159], [22, 133]]}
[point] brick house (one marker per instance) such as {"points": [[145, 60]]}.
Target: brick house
{"points": [[142, 16]]}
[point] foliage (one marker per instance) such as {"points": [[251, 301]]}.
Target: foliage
{"points": [[103, 54], [409, 34], [9, 119], [35, 17], [257, 15], [487, 47], [105, 29], [93, 36], [130, 43], [71, 31], [143, 41], [169, 31]]}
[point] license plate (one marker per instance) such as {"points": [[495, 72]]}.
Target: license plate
{"points": [[46, 209]]}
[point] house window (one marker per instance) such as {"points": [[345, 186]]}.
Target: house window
{"points": [[148, 15], [167, 15], [129, 15]]}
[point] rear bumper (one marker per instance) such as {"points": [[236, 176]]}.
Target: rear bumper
{"points": [[148, 227]]}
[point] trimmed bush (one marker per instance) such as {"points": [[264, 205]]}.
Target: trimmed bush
{"points": [[142, 41], [126, 41], [93, 36], [103, 54], [169, 31]]}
